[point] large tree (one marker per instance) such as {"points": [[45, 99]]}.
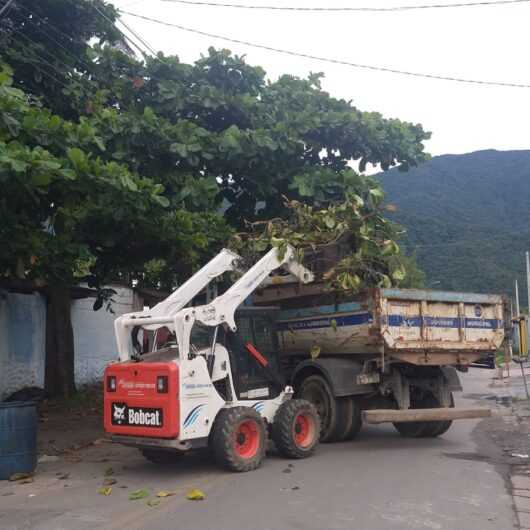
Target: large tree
{"points": [[147, 153]]}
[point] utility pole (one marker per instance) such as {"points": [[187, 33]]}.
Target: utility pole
{"points": [[528, 279], [517, 310]]}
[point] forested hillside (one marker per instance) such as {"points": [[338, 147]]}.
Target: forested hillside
{"points": [[467, 218]]}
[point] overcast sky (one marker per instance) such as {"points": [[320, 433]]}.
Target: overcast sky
{"points": [[484, 43]]}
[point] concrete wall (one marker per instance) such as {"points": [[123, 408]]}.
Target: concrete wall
{"points": [[23, 338], [94, 340], [22, 341]]}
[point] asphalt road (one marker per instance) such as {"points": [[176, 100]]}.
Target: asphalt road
{"points": [[380, 481]]}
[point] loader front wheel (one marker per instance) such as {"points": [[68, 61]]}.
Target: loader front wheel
{"points": [[296, 428], [238, 439]]}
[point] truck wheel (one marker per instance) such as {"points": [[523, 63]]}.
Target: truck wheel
{"points": [[158, 456], [238, 439], [424, 429], [353, 422], [437, 428], [296, 428], [316, 390]]}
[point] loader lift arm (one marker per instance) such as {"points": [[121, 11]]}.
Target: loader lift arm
{"points": [[222, 309], [163, 312]]}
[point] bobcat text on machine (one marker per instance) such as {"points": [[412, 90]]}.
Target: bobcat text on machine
{"points": [[211, 378]]}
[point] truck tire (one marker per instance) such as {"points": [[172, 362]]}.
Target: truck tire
{"points": [[316, 390], [437, 428], [296, 428], [353, 423], [238, 439], [160, 457], [424, 429]]}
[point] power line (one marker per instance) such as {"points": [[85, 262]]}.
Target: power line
{"points": [[329, 59], [128, 39], [5, 6], [351, 9], [138, 37], [31, 20]]}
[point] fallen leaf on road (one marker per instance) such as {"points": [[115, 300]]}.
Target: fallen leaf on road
{"points": [[28, 480], [105, 491], [109, 471], [153, 502], [109, 481], [63, 476], [138, 494], [195, 495], [19, 476], [165, 493]]}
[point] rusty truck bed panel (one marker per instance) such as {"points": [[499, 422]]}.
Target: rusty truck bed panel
{"points": [[418, 326]]}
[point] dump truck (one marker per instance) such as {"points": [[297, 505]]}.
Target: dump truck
{"points": [[384, 355]]}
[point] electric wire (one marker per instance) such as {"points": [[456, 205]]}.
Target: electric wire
{"points": [[5, 6], [350, 9], [128, 39], [329, 59], [76, 58]]}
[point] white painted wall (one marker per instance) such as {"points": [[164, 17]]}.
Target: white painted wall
{"points": [[94, 341], [22, 341]]}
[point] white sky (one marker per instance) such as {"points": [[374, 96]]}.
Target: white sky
{"points": [[486, 43]]}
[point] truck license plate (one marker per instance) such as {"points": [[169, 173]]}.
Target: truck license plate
{"points": [[136, 416]]}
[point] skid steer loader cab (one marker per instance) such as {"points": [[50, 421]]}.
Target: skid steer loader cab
{"points": [[142, 397], [255, 375]]}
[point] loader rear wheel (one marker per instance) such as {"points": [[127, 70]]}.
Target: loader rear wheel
{"points": [[238, 439], [316, 390], [296, 428], [160, 457]]}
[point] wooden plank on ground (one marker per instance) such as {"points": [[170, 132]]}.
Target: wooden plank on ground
{"points": [[439, 414]]}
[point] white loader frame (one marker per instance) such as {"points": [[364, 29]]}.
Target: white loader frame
{"points": [[199, 400]]}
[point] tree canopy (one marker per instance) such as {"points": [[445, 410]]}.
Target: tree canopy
{"points": [[138, 169]]}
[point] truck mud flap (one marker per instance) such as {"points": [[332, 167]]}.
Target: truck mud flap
{"points": [[438, 414]]}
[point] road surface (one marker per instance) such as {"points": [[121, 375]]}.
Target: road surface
{"points": [[380, 481]]}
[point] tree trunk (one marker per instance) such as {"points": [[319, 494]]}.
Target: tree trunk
{"points": [[59, 373]]}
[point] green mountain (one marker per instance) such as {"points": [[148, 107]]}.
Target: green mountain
{"points": [[467, 218]]}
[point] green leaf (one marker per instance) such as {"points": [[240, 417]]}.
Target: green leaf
{"points": [[180, 149], [41, 179], [18, 166], [138, 494], [77, 157]]}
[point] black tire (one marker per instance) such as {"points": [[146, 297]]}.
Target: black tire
{"points": [[355, 422], [316, 390], [423, 429], [296, 428], [437, 428], [161, 457], [238, 439]]}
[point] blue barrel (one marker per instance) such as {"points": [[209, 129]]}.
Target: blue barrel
{"points": [[18, 438]]}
